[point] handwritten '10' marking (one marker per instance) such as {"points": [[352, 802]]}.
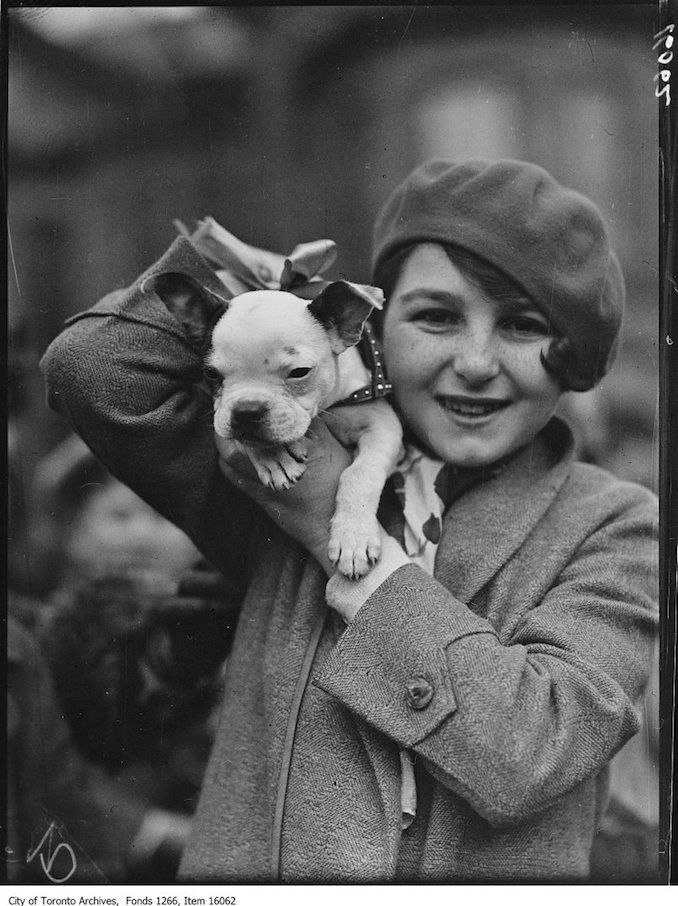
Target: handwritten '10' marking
{"points": [[52, 855]]}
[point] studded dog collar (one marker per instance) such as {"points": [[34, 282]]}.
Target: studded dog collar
{"points": [[379, 387]]}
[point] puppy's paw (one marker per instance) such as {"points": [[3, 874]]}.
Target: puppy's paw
{"points": [[280, 471], [278, 479], [297, 450], [355, 545]]}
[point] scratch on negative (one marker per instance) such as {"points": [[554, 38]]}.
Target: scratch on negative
{"points": [[11, 254], [409, 22]]}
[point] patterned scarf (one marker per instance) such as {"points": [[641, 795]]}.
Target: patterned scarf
{"points": [[425, 487]]}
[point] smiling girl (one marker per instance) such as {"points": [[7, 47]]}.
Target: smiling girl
{"points": [[452, 715], [466, 362]]}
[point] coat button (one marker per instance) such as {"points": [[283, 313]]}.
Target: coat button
{"points": [[419, 692]]}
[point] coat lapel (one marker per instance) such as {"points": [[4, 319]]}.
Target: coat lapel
{"points": [[484, 527]]}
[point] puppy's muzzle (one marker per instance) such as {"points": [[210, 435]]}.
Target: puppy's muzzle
{"points": [[248, 417]]}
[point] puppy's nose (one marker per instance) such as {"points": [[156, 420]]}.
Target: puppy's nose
{"points": [[248, 412]]}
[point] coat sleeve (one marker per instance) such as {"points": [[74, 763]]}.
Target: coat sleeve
{"points": [[129, 383], [510, 725]]}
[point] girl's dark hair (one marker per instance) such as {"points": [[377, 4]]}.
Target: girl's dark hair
{"points": [[490, 280]]}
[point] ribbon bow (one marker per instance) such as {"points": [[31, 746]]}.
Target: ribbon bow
{"points": [[243, 267]]}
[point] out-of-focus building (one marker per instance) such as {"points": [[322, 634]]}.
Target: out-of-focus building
{"points": [[291, 123]]}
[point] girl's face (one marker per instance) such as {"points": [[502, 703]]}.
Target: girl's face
{"points": [[466, 370]]}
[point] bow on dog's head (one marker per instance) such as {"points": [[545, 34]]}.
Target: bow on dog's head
{"points": [[340, 306]]}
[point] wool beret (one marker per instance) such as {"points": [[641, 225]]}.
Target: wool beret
{"points": [[551, 241]]}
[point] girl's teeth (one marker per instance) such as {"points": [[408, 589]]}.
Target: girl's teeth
{"points": [[471, 408]]}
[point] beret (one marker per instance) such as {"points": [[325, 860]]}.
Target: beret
{"points": [[550, 240]]}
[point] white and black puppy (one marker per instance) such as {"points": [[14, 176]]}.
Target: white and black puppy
{"points": [[276, 360]]}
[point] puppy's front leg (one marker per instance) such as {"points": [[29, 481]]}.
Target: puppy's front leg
{"points": [[355, 535]]}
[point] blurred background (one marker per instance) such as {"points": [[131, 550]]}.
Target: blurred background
{"points": [[289, 124]]}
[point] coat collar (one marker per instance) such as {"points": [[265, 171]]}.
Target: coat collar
{"points": [[486, 525]]}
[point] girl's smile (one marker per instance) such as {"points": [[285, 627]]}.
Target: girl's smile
{"points": [[465, 366]]}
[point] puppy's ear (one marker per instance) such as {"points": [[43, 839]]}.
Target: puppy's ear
{"points": [[342, 308], [195, 308]]}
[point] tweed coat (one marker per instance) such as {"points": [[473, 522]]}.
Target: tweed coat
{"points": [[535, 636]]}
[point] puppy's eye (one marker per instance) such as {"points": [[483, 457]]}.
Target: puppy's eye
{"points": [[299, 372], [212, 375]]}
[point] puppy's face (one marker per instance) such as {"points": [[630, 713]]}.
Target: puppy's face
{"points": [[272, 354], [276, 366]]}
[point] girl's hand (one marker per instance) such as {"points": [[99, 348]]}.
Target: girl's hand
{"points": [[303, 511]]}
